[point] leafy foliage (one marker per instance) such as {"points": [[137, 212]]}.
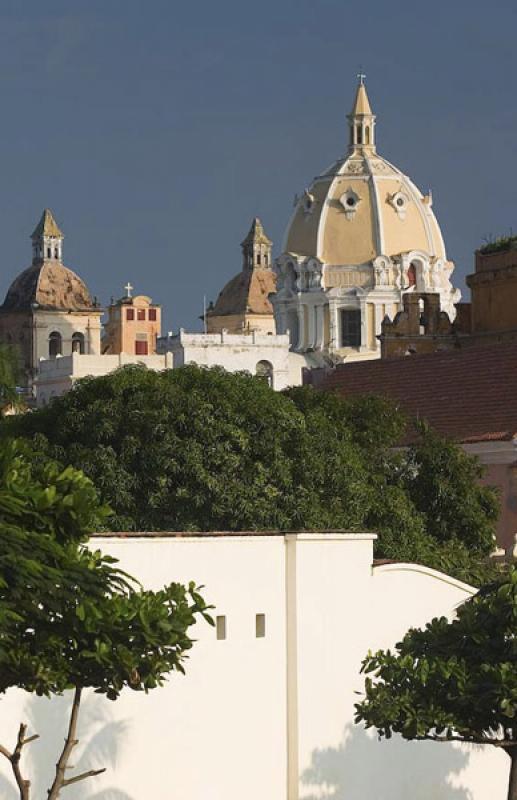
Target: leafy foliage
{"points": [[69, 618], [9, 371], [500, 244], [202, 449], [452, 680]]}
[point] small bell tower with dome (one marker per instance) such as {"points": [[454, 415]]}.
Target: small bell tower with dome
{"points": [[48, 311], [243, 305]]}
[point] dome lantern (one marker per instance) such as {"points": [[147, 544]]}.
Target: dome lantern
{"points": [[361, 120], [47, 239]]}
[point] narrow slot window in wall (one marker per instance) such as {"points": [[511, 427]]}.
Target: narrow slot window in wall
{"points": [[220, 627], [260, 626]]}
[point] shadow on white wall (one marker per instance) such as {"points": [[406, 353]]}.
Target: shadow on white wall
{"points": [[363, 767], [100, 742]]}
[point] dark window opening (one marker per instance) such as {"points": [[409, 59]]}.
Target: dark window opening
{"points": [[55, 344], [152, 315], [78, 343], [141, 349], [411, 275], [49, 252], [140, 314], [130, 314], [264, 371], [350, 327]]}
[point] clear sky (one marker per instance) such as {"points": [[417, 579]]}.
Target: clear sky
{"points": [[155, 130]]}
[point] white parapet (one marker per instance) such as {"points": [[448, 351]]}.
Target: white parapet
{"points": [[257, 353]]}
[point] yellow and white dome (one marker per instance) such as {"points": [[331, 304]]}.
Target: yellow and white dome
{"points": [[360, 237], [362, 206]]}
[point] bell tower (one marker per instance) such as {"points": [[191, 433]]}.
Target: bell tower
{"points": [[47, 240], [256, 248], [361, 121]]}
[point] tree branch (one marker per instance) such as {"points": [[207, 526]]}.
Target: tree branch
{"points": [[90, 774], [5, 752], [14, 758], [70, 743], [470, 740]]}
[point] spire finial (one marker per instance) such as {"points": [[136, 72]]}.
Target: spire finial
{"points": [[128, 289], [361, 119]]}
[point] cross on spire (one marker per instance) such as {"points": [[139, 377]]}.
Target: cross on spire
{"points": [[361, 76], [128, 289]]}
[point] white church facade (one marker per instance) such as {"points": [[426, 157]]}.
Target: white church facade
{"points": [[266, 707]]}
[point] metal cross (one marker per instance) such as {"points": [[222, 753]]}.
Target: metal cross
{"points": [[128, 289], [361, 77]]}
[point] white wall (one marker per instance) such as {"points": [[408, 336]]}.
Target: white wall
{"points": [[235, 352], [270, 717]]}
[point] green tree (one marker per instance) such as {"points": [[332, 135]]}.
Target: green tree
{"points": [[201, 449], [69, 618], [9, 373], [452, 681]]}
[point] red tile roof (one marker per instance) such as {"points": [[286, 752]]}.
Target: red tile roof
{"points": [[469, 395]]}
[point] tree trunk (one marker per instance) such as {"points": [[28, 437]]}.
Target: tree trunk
{"points": [[512, 782], [70, 743]]}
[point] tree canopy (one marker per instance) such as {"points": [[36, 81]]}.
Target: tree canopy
{"points": [[69, 618], [452, 681], [203, 449], [9, 373]]}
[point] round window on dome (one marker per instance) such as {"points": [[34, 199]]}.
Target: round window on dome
{"points": [[400, 202], [350, 201]]}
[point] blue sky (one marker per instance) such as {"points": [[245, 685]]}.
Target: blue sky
{"points": [[156, 130]]}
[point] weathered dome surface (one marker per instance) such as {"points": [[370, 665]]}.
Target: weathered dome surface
{"points": [[51, 286], [246, 293], [389, 215]]}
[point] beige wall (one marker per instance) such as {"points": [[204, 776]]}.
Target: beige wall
{"points": [[500, 462], [241, 323], [494, 304], [121, 333]]}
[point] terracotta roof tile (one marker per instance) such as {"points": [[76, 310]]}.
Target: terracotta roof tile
{"points": [[469, 395]]}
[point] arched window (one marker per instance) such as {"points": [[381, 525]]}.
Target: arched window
{"points": [[78, 343], [55, 344], [49, 252], [265, 259], [359, 135], [411, 275], [264, 370], [56, 252], [367, 135]]}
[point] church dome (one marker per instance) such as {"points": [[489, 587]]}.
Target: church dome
{"points": [[363, 207], [47, 283], [50, 286]]}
